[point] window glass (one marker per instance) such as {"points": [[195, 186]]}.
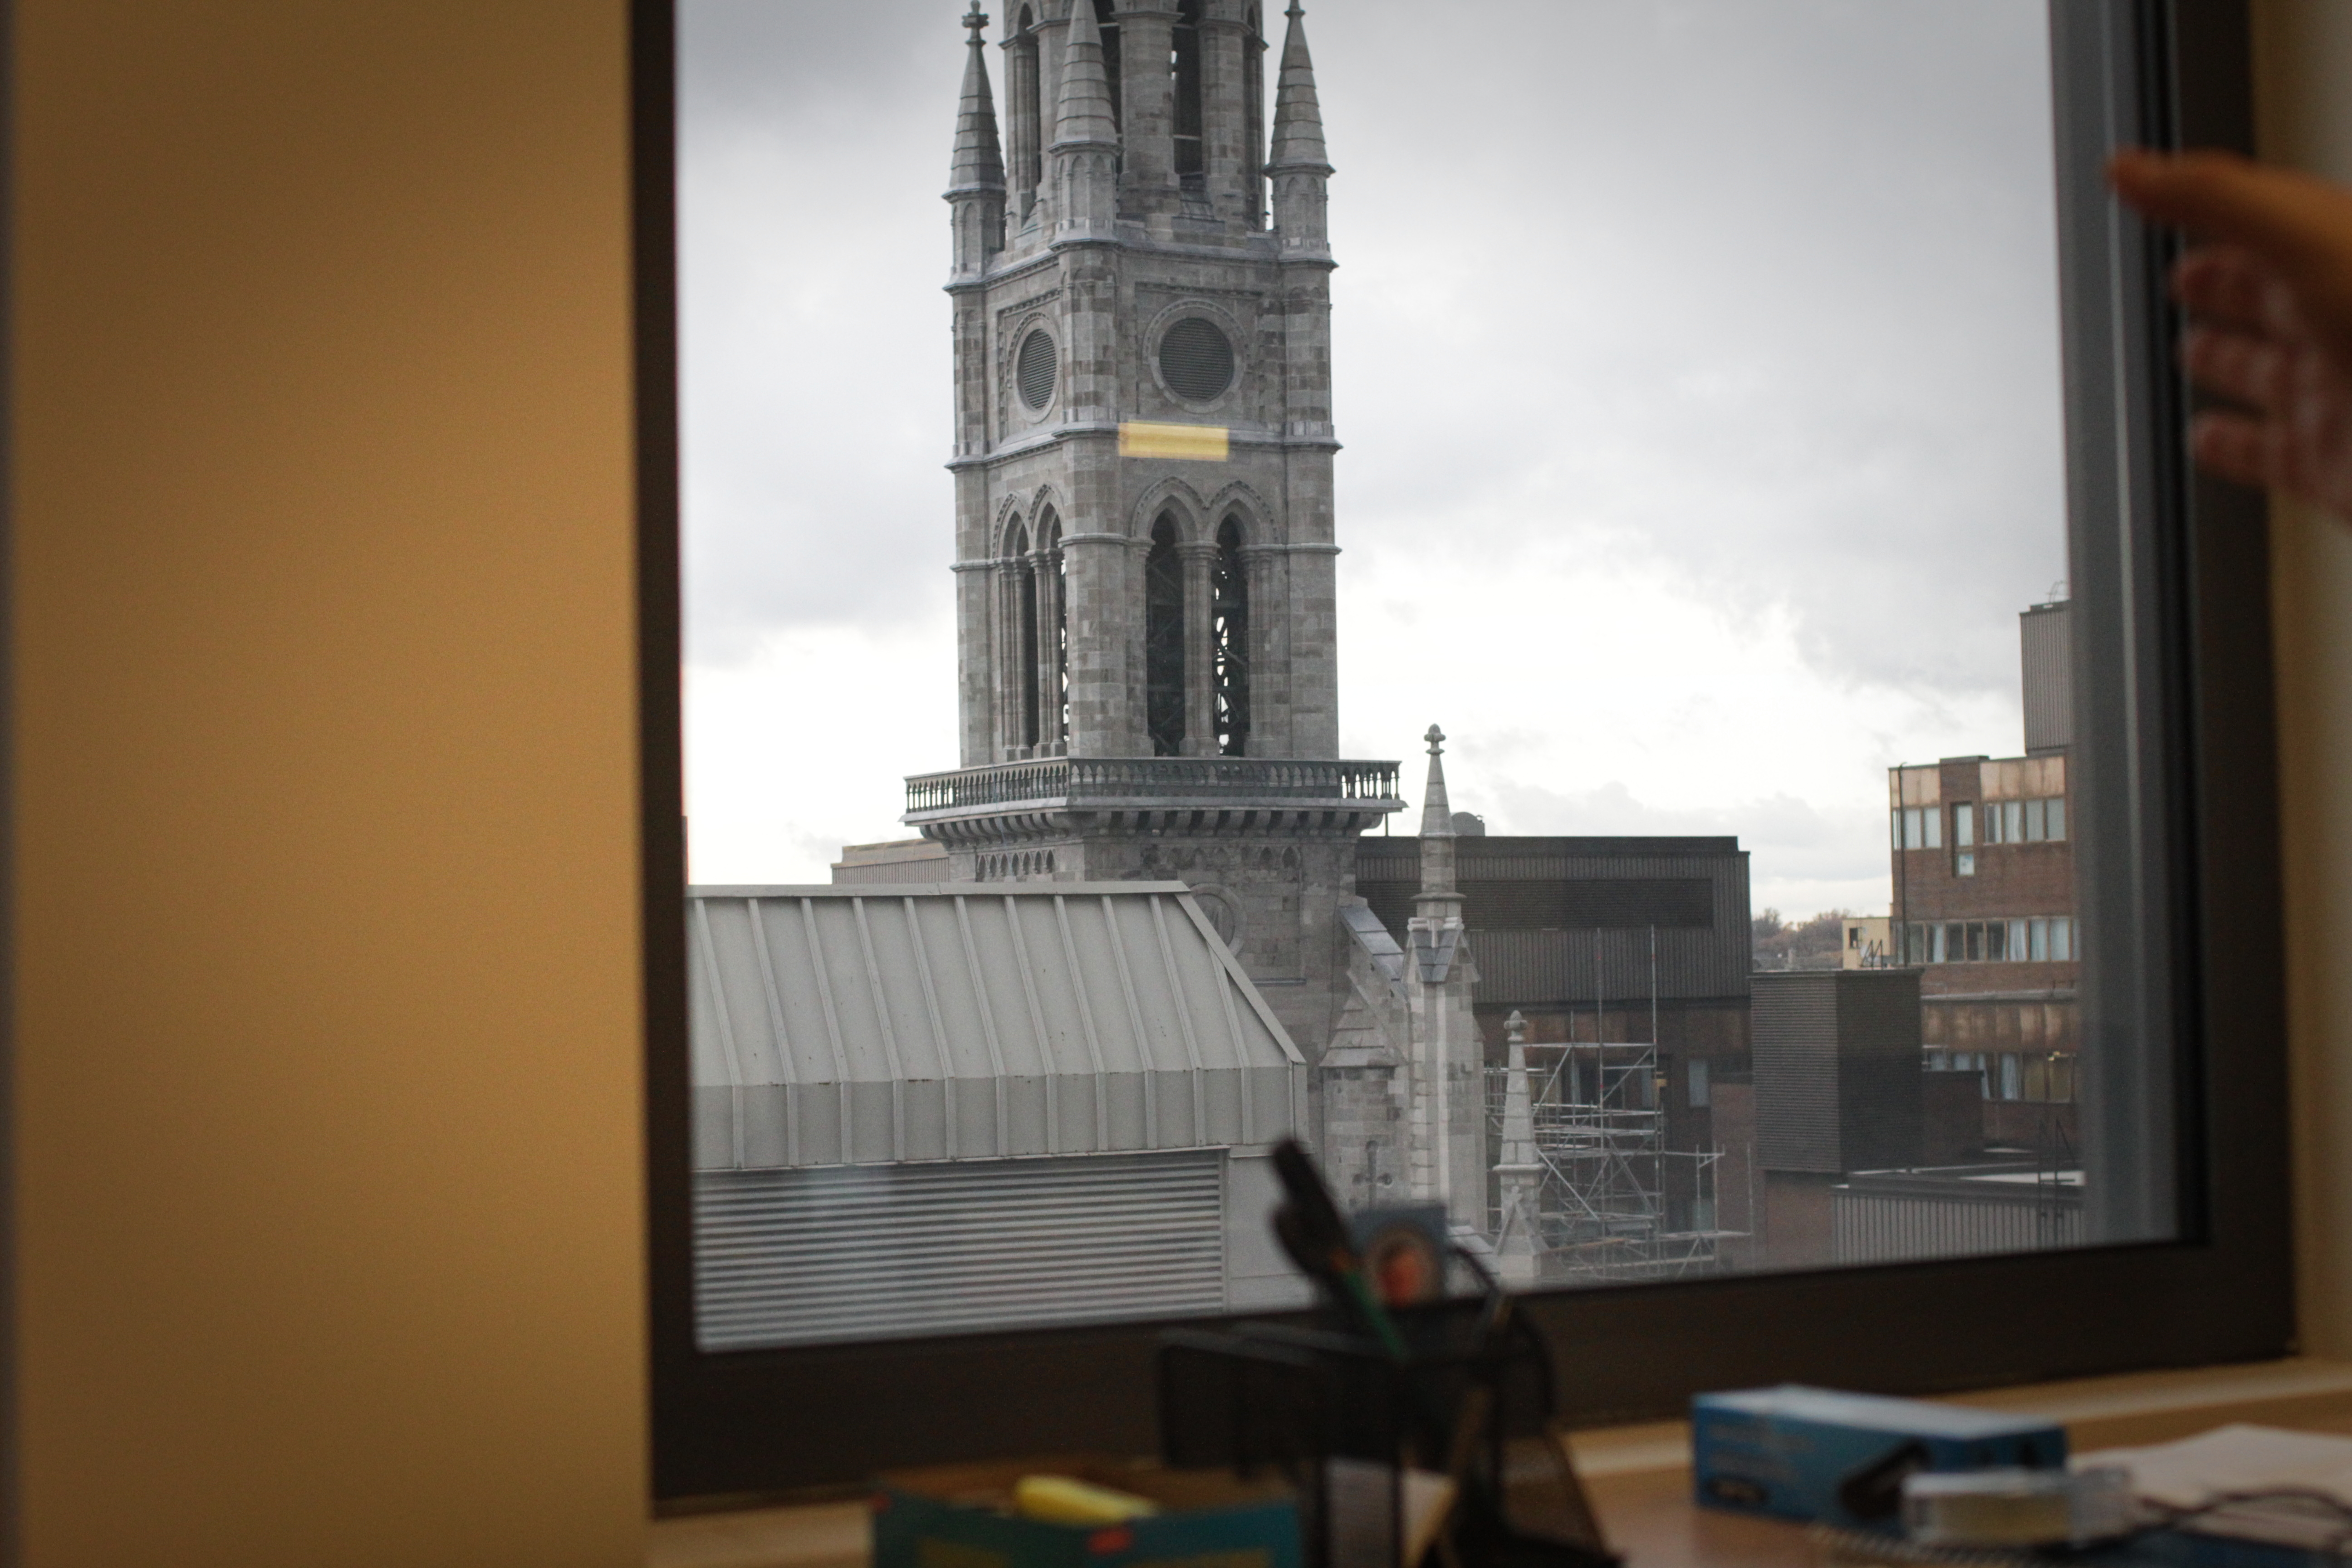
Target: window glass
{"points": [[1059, 831]]}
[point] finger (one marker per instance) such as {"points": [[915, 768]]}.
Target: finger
{"points": [[2228, 286], [2237, 447], [2246, 369], [2278, 214]]}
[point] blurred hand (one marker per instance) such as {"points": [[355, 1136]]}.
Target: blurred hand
{"points": [[2269, 289]]}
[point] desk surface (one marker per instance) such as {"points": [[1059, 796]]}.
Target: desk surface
{"points": [[1640, 1480]]}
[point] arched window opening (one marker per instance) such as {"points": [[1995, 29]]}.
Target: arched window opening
{"points": [[1052, 635], [1254, 117], [1107, 17], [1026, 91], [1163, 640], [1229, 631], [1021, 642], [1184, 64]]}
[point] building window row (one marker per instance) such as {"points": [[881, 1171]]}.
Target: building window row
{"points": [[2038, 1076], [2004, 822], [2036, 939]]}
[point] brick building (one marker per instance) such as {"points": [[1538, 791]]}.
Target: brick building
{"points": [[1983, 867]]}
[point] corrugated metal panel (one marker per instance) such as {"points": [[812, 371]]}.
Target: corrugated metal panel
{"points": [[831, 1025], [2046, 633], [1887, 1228], [1552, 967], [785, 1257]]}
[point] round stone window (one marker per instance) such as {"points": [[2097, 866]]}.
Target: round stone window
{"points": [[1196, 360], [1035, 368]]}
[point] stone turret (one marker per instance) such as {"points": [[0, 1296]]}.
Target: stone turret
{"points": [[1085, 135], [1300, 168], [976, 178], [1446, 1121], [1517, 1167]]}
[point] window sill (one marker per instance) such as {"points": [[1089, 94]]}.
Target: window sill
{"points": [[1635, 1469]]}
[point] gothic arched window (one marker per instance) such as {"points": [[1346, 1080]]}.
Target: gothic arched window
{"points": [[1026, 85], [1051, 575], [1163, 640], [1022, 611], [1107, 17], [1229, 634], [1254, 116], [1184, 64]]}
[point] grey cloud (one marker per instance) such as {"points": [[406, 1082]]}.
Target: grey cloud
{"points": [[1757, 289]]}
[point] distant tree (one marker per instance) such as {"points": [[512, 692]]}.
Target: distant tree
{"points": [[1780, 944]]}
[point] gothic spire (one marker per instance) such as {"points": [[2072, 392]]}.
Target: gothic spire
{"points": [[1437, 825], [1084, 113], [979, 156], [1298, 114], [1436, 811]]}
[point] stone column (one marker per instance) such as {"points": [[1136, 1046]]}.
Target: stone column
{"points": [[1096, 609], [1269, 680], [1200, 651]]}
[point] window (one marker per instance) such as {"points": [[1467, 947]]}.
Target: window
{"points": [[1136, 657], [1184, 67], [1919, 827], [1163, 640], [1229, 634]]}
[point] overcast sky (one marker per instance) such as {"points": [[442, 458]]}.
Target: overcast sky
{"points": [[1696, 360]]}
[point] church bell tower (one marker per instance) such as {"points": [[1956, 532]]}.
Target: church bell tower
{"points": [[1143, 475]]}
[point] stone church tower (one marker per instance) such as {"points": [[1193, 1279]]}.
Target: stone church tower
{"points": [[1143, 467]]}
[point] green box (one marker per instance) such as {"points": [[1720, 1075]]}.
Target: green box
{"points": [[961, 1516]]}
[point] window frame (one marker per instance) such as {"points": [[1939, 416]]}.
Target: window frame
{"points": [[2204, 863]]}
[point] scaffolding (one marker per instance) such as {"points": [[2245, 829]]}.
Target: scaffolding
{"points": [[1612, 1201]]}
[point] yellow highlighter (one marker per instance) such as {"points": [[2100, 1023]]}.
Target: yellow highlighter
{"points": [[1066, 1499]]}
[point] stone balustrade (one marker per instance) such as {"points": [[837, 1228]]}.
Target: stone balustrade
{"points": [[1121, 782]]}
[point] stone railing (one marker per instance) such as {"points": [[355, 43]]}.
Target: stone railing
{"points": [[1101, 783]]}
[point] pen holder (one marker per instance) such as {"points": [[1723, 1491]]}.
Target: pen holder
{"points": [[1452, 1449]]}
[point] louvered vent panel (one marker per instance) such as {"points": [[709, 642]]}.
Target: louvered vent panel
{"points": [[1036, 368], [1196, 360], [786, 1257]]}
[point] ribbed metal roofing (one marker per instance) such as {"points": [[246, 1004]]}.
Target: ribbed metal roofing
{"points": [[854, 1026]]}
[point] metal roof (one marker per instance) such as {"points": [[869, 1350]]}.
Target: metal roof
{"points": [[853, 1025]]}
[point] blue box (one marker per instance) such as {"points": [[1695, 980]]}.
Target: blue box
{"points": [[1794, 1452], [958, 1516]]}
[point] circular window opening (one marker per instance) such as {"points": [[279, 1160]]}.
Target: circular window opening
{"points": [[1035, 368], [1196, 360]]}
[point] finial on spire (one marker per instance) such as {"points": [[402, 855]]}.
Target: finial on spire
{"points": [[1436, 811], [979, 156], [1298, 112]]}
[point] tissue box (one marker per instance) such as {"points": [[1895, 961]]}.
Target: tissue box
{"points": [[959, 1516], [1814, 1454]]}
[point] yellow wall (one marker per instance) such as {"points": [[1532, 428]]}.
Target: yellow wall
{"points": [[330, 1162], [2304, 71]]}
